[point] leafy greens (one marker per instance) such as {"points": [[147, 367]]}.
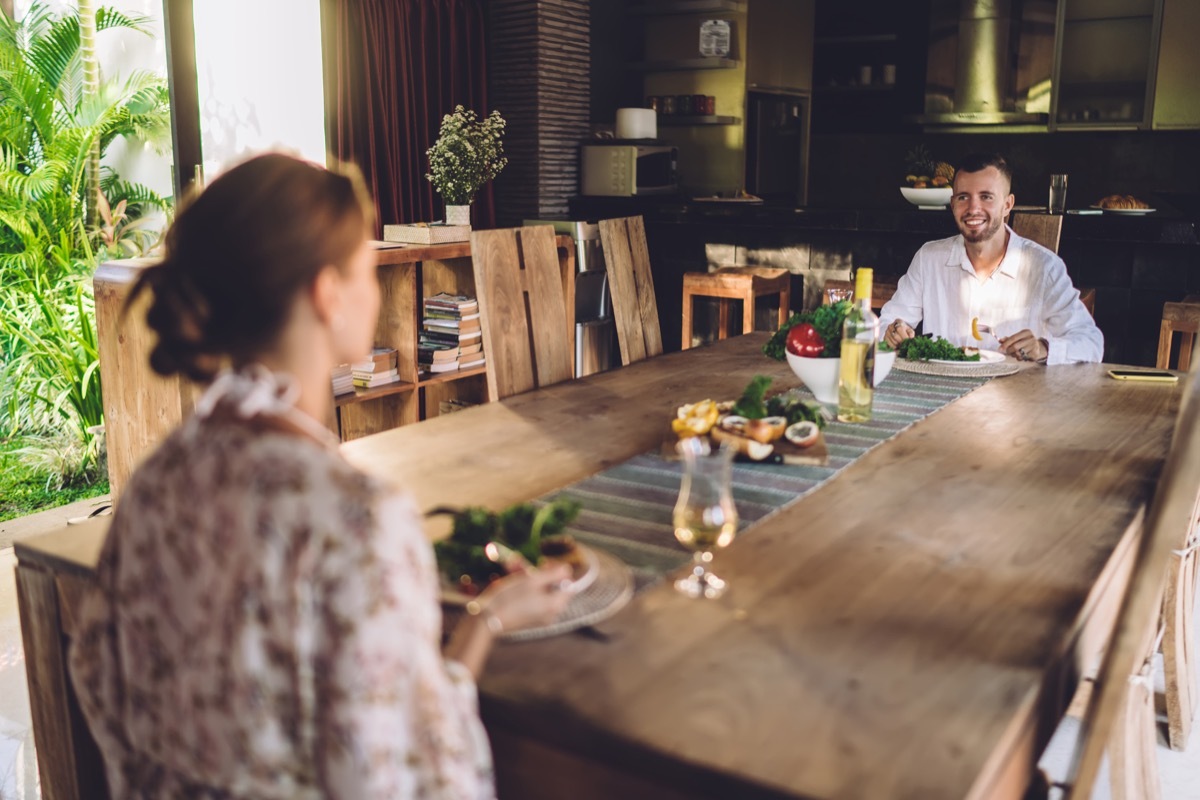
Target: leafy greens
{"points": [[920, 348], [826, 319]]}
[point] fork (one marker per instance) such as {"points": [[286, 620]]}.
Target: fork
{"points": [[983, 327]]}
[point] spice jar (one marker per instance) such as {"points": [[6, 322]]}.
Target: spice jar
{"points": [[667, 105], [653, 102], [683, 105], [710, 105]]}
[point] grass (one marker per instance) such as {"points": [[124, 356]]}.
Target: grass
{"points": [[24, 491]]}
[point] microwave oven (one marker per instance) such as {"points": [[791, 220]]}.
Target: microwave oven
{"points": [[625, 170]]}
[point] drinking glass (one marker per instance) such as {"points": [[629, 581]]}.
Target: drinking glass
{"points": [[1058, 194], [705, 517], [835, 295]]}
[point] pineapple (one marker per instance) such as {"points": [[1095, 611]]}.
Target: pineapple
{"points": [[943, 170], [920, 166]]}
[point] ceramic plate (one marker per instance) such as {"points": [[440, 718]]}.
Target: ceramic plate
{"points": [[985, 357]]}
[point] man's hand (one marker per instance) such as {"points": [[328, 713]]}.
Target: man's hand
{"points": [[1024, 346], [897, 332]]}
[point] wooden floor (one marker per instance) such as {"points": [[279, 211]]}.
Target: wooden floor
{"points": [[18, 766]]}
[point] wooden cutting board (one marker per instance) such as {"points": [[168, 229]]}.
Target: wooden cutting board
{"points": [[815, 455]]}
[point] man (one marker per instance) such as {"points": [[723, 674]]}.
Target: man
{"points": [[1010, 283]]}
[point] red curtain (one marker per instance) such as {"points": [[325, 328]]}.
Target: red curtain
{"points": [[394, 68]]}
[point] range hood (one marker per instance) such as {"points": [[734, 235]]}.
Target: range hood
{"points": [[990, 62]]}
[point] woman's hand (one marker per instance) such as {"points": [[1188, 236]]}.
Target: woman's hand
{"points": [[528, 598]]}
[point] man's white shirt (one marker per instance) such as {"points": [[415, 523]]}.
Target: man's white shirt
{"points": [[1030, 289]]}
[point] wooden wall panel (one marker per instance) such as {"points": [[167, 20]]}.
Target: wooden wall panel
{"points": [[547, 115]]}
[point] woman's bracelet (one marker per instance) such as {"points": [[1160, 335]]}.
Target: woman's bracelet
{"points": [[477, 609]]}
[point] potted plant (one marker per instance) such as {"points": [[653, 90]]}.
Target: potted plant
{"points": [[468, 153]]}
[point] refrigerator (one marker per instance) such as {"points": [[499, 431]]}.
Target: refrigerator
{"points": [[777, 131]]}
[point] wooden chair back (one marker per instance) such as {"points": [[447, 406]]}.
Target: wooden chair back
{"points": [[1045, 229], [1170, 512], [627, 259], [1184, 319], [881, 290], [522, 308]]}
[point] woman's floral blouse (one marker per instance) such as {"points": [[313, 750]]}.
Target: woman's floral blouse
{"points": [[266, 626]]}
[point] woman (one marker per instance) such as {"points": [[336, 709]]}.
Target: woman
{"points": [[266, 623]]}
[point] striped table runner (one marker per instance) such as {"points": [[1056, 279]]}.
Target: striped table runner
{"points": [[627, 508]]}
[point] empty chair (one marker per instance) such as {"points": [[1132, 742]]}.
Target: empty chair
{"points": [[1184, 319], [527, 336], [627, 260], [1117, 710]]}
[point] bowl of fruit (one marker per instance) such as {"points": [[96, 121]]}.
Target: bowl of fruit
{"points": [[811, 343], [928, 182]]}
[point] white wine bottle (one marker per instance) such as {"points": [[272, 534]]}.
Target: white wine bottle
{"points": [[860, 332]]}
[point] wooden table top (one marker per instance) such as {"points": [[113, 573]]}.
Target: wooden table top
{"points": [[891, 635]]}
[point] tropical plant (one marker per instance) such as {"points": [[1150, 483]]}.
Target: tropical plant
{"points": [[468, 153], [60, 212]]}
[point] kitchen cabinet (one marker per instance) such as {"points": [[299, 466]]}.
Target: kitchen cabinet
{"points": [[779, 45], [1176, 100], [1105, 63]]}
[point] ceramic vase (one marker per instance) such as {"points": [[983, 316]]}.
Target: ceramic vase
{"points": [[458, 215]]}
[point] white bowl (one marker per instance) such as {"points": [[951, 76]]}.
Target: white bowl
{"points": [[820, 375], [928, 198]]}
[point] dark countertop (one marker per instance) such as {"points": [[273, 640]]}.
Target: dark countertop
{"points": [[1160, 227]]}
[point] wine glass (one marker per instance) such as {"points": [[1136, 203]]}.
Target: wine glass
{"points": [[705, 517]]}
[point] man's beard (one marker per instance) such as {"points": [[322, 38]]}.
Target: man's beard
{"points": [[975, 235]]}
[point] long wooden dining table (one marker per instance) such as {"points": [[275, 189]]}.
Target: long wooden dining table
{"points": [[914, 628]]}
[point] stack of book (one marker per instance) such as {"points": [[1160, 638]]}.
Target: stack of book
{"points": [[380, 369], [451, 338], [343, 380]]}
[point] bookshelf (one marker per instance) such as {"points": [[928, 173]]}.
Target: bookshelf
{"points": [[141, 408]]}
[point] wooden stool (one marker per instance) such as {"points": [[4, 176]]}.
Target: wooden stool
{"points": [[735, 283]]}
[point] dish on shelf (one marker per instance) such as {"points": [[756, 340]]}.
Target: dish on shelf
{"points": [[928, 199], [1131, 212]]}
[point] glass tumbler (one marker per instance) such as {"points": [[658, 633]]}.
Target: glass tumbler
{"points": [[1058, 194]]}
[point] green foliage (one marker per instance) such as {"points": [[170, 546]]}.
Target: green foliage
{"points": [[468, 153], [827, 319], [24, 488], [49, 381], [920, 348], [796, 409], [750, 405]]}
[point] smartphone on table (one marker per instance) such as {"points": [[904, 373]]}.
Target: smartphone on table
{"points": [[1155, 375]]}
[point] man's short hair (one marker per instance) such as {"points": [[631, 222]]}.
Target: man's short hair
{"points": [[975, 162]]}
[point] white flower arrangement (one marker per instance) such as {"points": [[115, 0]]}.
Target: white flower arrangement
{"points": [[468, 153]]}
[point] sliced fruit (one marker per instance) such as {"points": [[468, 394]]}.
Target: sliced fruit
{"points": [[767, 429], [732, 422], [695, 419], [975, 329], [803, 433], [743, 444]]}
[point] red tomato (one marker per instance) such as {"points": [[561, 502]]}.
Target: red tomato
{"points": [[803, 340]]}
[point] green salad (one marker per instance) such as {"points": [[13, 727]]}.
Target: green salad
{"points": [[920, 348]]}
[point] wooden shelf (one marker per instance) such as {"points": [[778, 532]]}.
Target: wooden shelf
{"points": [[685, 64], [705, 119], [663, 8], [869, 88], [362, 395], [447, 377]]}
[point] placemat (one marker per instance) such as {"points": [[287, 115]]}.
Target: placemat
{"points": [[997, 370], [627, 508]]}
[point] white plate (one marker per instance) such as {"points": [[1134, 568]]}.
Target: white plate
{"points": [[586, 576], [985, 357], [1132, 212]]}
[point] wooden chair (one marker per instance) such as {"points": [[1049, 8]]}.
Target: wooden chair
{"points": [[1118, 712], [1184, 319], [522, 308], [627, 260], [1045, 229], [881, 290], [1179, 599], [729, 284]]}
